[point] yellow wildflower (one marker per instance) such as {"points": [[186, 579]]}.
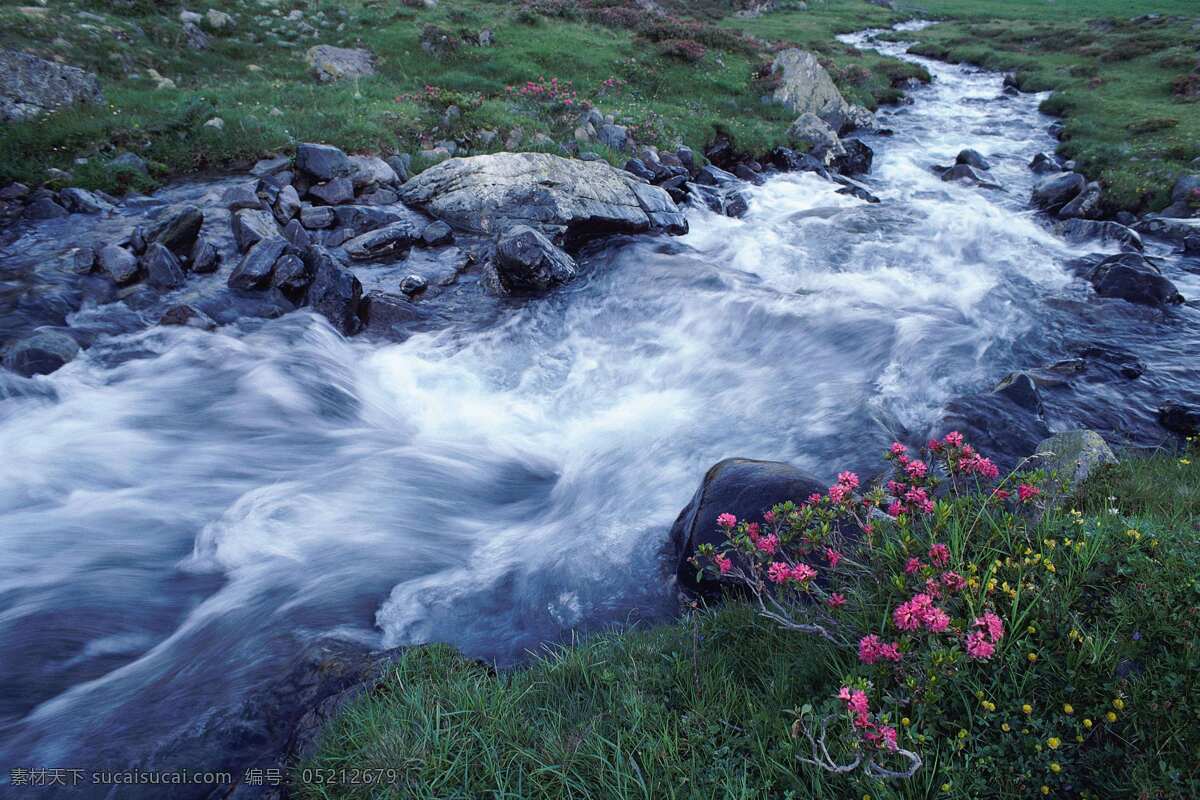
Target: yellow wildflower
{"points": [[1068, 708], [1119, 704], [1111, 716], [1087, 723], [1053, 742], [1028, 709], [1055, 767]]}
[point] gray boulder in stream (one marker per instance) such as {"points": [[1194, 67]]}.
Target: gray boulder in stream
{"points": [[804, 86], [1131, 277], [566, 199], [41, 353], [1055, 191], [334, 292], [528, 261]]}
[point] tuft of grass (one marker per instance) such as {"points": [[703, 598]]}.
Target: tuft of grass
{"points": [[703, 707]]}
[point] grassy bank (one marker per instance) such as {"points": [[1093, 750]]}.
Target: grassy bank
{"points": [[675, 82], [1093, 692], [1120, 79]]}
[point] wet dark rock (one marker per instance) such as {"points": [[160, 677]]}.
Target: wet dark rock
{"points": [[187, 316], [322, 162], [710, 175], [563, 198], [413, 284], [178, 233], [1125, 363], [738, 486], [334, 293], [856, 160], [1130, 276], [385, 241], [1191, 246], [204, 258], [1055, 191], [1179, 418], [82, 260], [855, 189], [291, 276], [81, 201], [119, 263], [14, 191], [254, 270], [297, 235], [436, 234], [389, 314], [1082, 230], [1021, 388], [241, 196], [287, 205], [788, 160], [163, 270], [736, 205], [44, 208], [706, 196], [527, 261], [270, 166], [40, 354], [999, 427], [226, 306], [316, 217], [334, 193], [635, 166], [360, 219], [687, 158], [251, 227], [747, 174], [968, 174], [1086, 204], [972, 158]]}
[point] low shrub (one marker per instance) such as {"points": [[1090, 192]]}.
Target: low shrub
{"points": [[688, 50]]}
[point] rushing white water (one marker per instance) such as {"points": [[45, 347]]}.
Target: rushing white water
{"points": [[180, 510]]}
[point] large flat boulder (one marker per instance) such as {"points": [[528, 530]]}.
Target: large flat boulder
{"points": [[565, 199], [30, 86], [804, 86], [329, 64]]}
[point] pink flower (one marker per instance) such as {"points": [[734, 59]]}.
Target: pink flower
{"points": [[868, 649], [769, 517], [727, 520], [768, 544], [934, 445], [978, 647], [939, 554], [894, 508], [912, 566], [814, 499], [1025, 492], [752, 530], [724, 564], [803, 572], [907, 617], [992, 624], [779, 572], [839, 492], [953, 581], [836, 600], [936, 620], [916, 469], [890, 652], [897, 449], [848, 479], [976, 464], [918, 497], [953, 439], [833, 557], [1001, 494], [888, 734]]}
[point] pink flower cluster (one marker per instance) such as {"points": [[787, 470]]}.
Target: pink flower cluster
{"points": [[550, 91], [882, 736], [1026, 492], [920, 612], [780, 572], [981, 642], [843, 490], [872, 649]]}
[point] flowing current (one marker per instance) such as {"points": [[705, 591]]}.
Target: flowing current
{"points": [[180, 511]]}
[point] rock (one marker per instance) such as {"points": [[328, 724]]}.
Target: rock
{"points": [[859, 119], [252, 227], [371, 171], [1191, 246], [187, 316], [715, 176], [413, 284], [334, 192], [1081, 230], [804, 86], [255, 268], [334, 293], [322, 162], [1022, 390], [297, 235], [967, 173], [999, 427], [1126, 364], [635, 166], [744, 172], [30, 86], [384, 241], [81, 201], [527, 261], [855, 189], [120, 264], [972, 158], [1129, 276], [687, 158], [204, 258], [436, 234], [1070, 457], [14, 191], [856, 160], [40, 354], [738, 486], [567, 198], [196, 39], [316, 217], [291, 276], [400, 165], [1055, 191], [1044, 164], [615, 137], [178, 233], [270, 166], [329, 64], [163, 270], [82, 260], [1176, 230], [1086, 204], [736, 205], [241, 196], [821, 138], [789, 160], [218, 20], [287, 205], [1180, 419], [131, 162], [44, 208]]}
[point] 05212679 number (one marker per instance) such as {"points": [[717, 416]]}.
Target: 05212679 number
{"points": [[349, 777]]}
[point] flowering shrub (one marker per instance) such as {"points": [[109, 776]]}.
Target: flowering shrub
{"points": [[939, 598], [684, 49], [550, 92]]}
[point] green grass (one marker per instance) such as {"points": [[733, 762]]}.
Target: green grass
{"points": [[1112, 80], [704, 707], [275, 104]]}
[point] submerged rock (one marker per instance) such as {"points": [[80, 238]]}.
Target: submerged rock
{"points": [[1081, 230], [967, 173], [567, 198], [1181, 419], [385, 241], [187, 316], [972, 158], [40, 354], [739, 486], [1130, 276]]}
